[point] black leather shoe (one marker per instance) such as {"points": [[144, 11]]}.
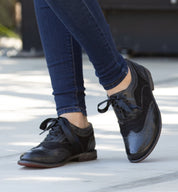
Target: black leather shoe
{"points": [[138, 114], [65, 142]]}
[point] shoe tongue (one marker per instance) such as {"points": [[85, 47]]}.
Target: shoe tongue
{"points": [[56, 134]]}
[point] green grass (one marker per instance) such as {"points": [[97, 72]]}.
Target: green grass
{"points": [[4, 31]]}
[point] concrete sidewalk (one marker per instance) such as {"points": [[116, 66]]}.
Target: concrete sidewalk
{"points": [[25, 100]]}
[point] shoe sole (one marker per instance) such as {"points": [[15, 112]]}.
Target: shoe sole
{"points": [[79, 158], [148, 77]]}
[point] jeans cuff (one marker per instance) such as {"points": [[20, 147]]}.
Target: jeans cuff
{"points": [[71, 110], [116, 82]]}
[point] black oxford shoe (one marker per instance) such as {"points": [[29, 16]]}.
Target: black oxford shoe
{"points": [[138, 114], [64, 142]]}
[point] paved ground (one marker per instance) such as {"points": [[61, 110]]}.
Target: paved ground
{"points": [[25, 100]]}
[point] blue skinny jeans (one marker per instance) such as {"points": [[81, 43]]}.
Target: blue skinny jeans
{"points": [[67, 26]]}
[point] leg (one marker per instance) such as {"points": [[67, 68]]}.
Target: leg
{"points": [[65, 141], [84, 19], [135, 107], [64, 60]]}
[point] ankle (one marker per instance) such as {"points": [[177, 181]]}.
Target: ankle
{"points": [[122, 85], [77, 119]]}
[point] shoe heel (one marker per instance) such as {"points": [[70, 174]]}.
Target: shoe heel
{"points": [[86, 156], [144, 72], [150, 79]]}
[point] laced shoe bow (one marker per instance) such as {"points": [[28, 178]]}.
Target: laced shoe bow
{"points": [[124, 109]]}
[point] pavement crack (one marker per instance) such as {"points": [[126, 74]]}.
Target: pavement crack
{"points": [[141, 183], [9, 156]]}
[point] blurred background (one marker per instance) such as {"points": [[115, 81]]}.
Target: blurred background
{"points": [[18, 29], [139, 27]]}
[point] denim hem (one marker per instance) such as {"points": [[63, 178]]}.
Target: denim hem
{"points": [[115, 83], [71, 110]]}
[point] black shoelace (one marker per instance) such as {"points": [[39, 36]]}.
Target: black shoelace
{"points": [[122, 106], [60, 131], [53, 125]]}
